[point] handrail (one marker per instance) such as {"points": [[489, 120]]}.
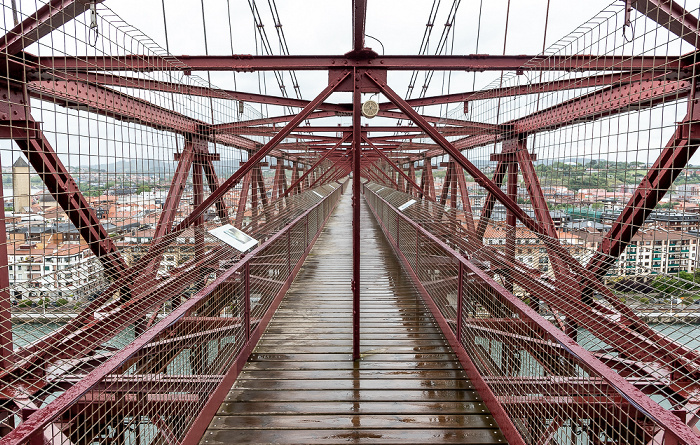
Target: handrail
{"points": [[36, 422], [674, 428]]}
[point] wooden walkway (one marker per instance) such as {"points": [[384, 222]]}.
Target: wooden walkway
{"points": [[301, 385]]}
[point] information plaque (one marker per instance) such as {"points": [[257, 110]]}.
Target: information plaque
{"points": [[406, 205], [234, 237]]}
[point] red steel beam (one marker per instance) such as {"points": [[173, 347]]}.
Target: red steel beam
{"points": [[539, 203], [263, 193], [124, 107], [234, 129], [671, 16], [47, 18], [195, 90], [427, 182], [395, 167], [444, 194], [475, 127], [224, 128], [6, 343], [172, 202], [464, 193], [243, 199], [213, 181], [511, 221], [277, 182], [487, 209], [585, 108], [260, 154], [412, 175], [474, 62], [314, 166], [602, 103], [177, 185], [65, 191], [356, 167], [359, 18], [535, 88]]}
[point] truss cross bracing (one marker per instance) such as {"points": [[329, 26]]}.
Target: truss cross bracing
{"points": [[548, 223]]}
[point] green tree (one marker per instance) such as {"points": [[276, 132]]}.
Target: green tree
{"points": [[144, 188]]}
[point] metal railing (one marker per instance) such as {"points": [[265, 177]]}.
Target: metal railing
{"points": [[169, 381], [539, 383]]}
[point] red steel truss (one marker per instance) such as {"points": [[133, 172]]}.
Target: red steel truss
{"points": [[553, 355]]}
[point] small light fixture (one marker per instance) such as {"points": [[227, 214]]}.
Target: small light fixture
{"points": [[370, 109]]}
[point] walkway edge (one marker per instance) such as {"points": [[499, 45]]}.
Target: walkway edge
{"points": [[205, 416], [499, 414]]}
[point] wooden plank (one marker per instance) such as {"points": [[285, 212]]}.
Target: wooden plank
{"points": [[350, 384], [421, 421], [355, 436], [300, 385], [387, 395], [343, 408]]}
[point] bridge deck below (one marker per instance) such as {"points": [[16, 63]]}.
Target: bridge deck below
{"points": [[301, 385]]}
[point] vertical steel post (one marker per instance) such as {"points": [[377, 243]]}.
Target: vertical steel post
{"points": [[509, 364], [417, 256], [412, 175], [453, 185], [289, 253], [246, 300], [243, 199], [511, 220], [198, 198], [356, 140], [398, 232], [460, 302]]}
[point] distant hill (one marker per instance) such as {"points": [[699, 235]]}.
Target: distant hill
{"points": [[154, 166]]}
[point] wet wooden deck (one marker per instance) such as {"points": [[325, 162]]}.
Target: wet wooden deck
{"points": [[301, 386]]}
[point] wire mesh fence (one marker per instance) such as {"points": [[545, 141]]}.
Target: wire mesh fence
{"points": [[108, 247], [107, 147], [524, 343]]}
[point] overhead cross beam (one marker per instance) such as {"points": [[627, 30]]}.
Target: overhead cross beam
{"points": [[475, 62], [196, 90]]}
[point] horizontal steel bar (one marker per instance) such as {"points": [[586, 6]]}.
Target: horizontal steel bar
{"points": [[474, 62]]}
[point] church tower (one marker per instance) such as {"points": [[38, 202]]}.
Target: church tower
{"points": [[21, 185]]}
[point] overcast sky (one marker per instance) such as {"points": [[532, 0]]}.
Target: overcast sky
{"points": [[324, 27]]}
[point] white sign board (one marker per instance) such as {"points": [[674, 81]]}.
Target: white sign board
{"points": [[406, 205], [234, 237]]}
